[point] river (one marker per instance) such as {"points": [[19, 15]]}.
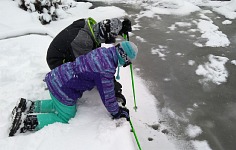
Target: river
{"points": [[174, 82]]}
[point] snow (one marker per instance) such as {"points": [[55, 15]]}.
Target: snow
{"points": [[182, 118], [215, 38], [26, 31], [201, 145], [140, 39], [227, 22], [227, 10], [170, 7], [179, 54], [193, 131], [195, 105], [10, 23], [136, 27], [23, 46], [191, 62], [233, 62], [161, 51], [210, 31], [183, 24], [172, 27], [214, 70], [167, 79]]}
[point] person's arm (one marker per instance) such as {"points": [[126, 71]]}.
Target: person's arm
{"points": [[82, 44], [105, 86]]}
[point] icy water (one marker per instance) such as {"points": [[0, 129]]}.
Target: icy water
{"points": [[182, 99]]}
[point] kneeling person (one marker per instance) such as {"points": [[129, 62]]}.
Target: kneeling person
{"points": [[67, 83]]}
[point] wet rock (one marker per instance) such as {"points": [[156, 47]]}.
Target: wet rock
{"points": [[155, 126], [165, 131]]}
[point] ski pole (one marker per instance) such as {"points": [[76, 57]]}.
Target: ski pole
{"points": [[132, 77], [126, 37], [135, 136]]}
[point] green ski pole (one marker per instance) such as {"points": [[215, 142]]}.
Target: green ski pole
{"points": [[132, 77], [135, 136], [126, 37]]}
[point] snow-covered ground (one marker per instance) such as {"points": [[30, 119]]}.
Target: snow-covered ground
{"points": [[23, 46]]}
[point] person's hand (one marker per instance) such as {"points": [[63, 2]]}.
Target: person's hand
{"points": [[126, 26], [123, 113]]}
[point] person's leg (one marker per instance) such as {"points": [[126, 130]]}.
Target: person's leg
{"points": [[37, 122], [52, 111], [59, 112], [46, 119], [44, 106], [38, 106]]}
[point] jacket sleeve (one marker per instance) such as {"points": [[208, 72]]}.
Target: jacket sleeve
{"points": [[105, 86], [82, 44]]}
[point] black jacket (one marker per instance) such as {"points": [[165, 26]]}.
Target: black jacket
{"points": [[60, 49]]}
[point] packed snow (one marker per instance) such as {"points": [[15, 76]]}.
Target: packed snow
{"points": [[201, 145], [23, 46], [210, 31], [191, 62], [193, 131], [227, 22], [233, 62], [227, 10], [214, 70], [161, 51], [140, 39]]}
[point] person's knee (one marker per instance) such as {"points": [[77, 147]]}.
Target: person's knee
{"points": [[67, 115]]}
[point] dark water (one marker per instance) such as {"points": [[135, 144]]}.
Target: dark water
{"points": [[215, 105]]}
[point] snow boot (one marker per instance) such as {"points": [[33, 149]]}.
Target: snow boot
{"points": [[17, 120], [18, 126], [30, 123], [24, 106]]}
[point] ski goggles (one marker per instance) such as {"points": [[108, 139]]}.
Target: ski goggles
{"points": [[123, 55]]}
